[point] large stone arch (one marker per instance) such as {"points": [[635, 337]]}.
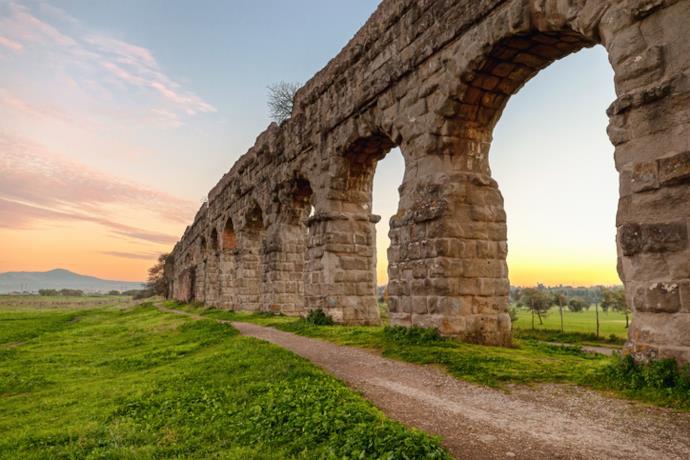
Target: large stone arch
{"points": [[449, 243], [433, 78], [342, 244]]}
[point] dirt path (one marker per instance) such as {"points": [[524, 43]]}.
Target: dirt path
{"points": [[540, 422]]}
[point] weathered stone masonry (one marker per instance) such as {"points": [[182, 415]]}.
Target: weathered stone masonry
{"points": [[432, 77]]}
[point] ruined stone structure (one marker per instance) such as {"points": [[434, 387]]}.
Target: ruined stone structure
{"points": [[289, 228]]}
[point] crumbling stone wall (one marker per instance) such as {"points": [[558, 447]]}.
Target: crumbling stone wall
{"points": [[432, 77]]}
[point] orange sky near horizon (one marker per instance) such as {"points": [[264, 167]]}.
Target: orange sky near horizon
{"points": [[82, 247]]}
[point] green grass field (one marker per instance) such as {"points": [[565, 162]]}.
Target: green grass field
{"points": [[610, 323], [124, 381], [529, 361]]}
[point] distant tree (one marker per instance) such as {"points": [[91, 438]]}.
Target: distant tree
{"points": [[143, 294], [281, 99], [156, 282], [114, 292], [537, 300], [614, 299], [71, 292], [560, 299], [48, 292], [577, 304]]}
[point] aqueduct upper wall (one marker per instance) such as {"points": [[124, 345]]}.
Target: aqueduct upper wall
{"points": [[432, 77]]}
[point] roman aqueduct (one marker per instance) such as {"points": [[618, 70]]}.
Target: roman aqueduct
{"points": [[432, 77]]}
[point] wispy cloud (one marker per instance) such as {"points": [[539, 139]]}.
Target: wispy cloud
{"points": [[36, 184], [16, 215], [15, 103], [131, 255], [10, 44], [117, 67]]}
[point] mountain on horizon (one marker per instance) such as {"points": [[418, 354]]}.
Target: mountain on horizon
{"points": [[61, 278]]}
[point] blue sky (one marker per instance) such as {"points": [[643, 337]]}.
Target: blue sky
{"points": [[154, 100]]}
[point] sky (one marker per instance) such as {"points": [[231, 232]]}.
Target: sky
{"points": [[116, 119]]}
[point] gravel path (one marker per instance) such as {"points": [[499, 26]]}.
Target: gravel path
{"points": [[537, 422]]}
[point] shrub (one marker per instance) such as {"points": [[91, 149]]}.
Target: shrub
{"points": [[319, 318], [661, 381]]}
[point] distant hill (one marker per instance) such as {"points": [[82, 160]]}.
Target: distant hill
{"points": [[60, 279]]}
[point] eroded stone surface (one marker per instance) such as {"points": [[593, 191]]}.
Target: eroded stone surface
{"points": [[433, 78]]}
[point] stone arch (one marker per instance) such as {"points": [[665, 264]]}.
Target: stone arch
{"points": [[285, 247], [213, 241], [342, 247], [249, 264], [228, 262], [186, 280], [200, 262], [450, 238], [203, 247], [213, 274], [229, 238]]}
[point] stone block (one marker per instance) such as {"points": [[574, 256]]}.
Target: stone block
{"points": [[667, 237], [675, 169], [658, 298], [645, 176]]}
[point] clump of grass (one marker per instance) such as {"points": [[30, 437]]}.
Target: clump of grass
{"points": [[412, 335], [662, 382], [319, 318]]}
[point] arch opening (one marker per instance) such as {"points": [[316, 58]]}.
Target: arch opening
{"points": [[229, 238], [355, 237], [213, 240], [249, 261], [387, 183], [483, 293], [285, 249], [561, 228]]}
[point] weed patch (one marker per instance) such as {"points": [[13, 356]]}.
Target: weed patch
{"points": [[661, 381]]}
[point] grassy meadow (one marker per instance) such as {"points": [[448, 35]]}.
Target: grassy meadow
{"points": [[583, 322], [117, 380]]}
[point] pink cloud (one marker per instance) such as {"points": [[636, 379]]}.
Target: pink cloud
{"points": [[35, 177], [13, 102], [10, 44], [115, 65], [28, 28], [128, 52]]}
